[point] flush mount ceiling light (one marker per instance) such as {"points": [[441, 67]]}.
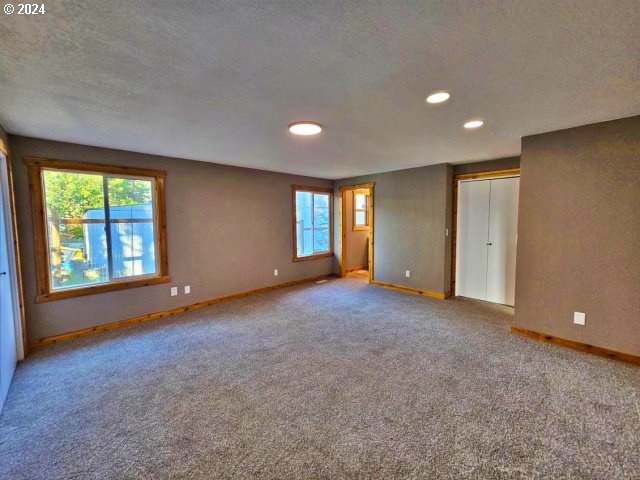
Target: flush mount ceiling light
{"points": [[438, 97], [305, 128], [473, 124]]}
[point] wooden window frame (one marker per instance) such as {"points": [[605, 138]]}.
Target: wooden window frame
{"points": [[45, 292], [305, 188], [355, 226]]}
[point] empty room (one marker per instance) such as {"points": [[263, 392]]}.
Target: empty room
{"points": [[319, 239]]}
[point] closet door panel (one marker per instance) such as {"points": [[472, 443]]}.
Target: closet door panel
{"points": [[472, 237], [503, 231]]}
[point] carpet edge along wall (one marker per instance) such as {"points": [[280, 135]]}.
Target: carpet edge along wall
{"points": [[583, 347], [165, 313]]}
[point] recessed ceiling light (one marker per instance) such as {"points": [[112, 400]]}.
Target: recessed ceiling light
{"points": [[305, 128], [473, 124], [438, 97]]}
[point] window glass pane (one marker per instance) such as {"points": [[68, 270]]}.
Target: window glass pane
{"points": [[75, 229], [304, 223], [133, 244], [312, 223], [361, 201], [361, 218], [321, 222]]}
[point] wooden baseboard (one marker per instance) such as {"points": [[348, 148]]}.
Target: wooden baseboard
{"points": [[426, 293], [583, 347], [165, 313], [355, 269]]}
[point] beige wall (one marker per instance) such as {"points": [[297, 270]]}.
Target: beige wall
{"points": [[488, 165], [448, 222], [357, 255], [228, 228], [579, 234], [409, 228]]}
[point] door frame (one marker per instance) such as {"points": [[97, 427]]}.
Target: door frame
{"points": [[487, 175], [13, 254], [342, 215]]}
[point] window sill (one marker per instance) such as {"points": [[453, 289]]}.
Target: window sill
{"points": [[313, 257], [102, 288]]}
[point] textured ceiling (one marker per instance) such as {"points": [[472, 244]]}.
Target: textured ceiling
{"points": [[220, 81]]}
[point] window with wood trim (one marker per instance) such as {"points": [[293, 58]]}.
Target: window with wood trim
{"points": [[361, 210], [97, 228], [312, 222]]}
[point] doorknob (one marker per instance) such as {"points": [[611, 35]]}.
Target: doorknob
{"points": [[3, 273], [489, 243]]}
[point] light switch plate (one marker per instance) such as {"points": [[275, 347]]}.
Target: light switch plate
{"points": [[187, 289], [579, 318], [174, 291]]}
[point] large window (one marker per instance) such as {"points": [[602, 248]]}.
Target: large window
{"points": [[312, 222], [97, 228], [361, 210]]}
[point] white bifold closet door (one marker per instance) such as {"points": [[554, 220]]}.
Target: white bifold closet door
{"points": [[486, 239], [472, 237]]}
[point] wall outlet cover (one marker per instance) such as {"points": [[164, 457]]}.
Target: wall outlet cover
{"points": [[407, 273], [187, 289], [174, 291], [275, 272], [579, 318]]}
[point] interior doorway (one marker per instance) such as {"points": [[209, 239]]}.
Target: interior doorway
{"points": [[11, 340], [485, 236], [356, 206]]}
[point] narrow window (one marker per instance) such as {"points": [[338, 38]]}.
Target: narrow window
{"points": [[312, 222], [360, 210], [97, 228]]}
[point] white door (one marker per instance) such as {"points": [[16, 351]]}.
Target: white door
{"points": [[486, 239], [472, 239], [8, 346], [503, 234]]}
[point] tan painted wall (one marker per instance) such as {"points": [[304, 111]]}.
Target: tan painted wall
{"points": [[228, 228], [448, 222], [579, 234], [357, 255], [485, 166], [409, 229]]}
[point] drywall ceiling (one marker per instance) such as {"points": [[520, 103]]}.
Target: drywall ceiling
{"points": [[220, 81]]}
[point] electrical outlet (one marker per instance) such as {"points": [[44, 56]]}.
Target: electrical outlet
{"points": [[407, 273], [579, 318], [275, 272], [187, 289], [174, 291]]}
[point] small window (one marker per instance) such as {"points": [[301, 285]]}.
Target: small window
{"points": [[360, 210], [97, 228], [312, 222]]}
